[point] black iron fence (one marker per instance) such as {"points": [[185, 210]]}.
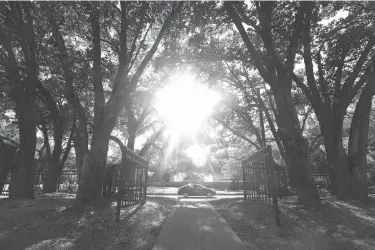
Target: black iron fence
{"points": [[129, 181], [68, 182], [261, 179], [322, 180]]}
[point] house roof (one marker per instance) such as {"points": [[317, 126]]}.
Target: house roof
{"points": [[192, 176]]}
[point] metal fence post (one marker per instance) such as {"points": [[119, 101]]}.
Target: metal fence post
{"points": [[271, 169], [244, 182]]}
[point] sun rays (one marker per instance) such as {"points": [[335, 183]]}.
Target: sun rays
{"points": [[184, 105]]}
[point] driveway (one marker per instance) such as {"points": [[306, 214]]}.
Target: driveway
{"points": [[196, 225]]}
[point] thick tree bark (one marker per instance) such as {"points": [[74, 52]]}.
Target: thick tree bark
{"points": [[22, 181], [24, 95], [331, 129], [54, 171], [79, 149], [358, 143], [90, 186], [131, 141], [296, 149], [98, 154]]}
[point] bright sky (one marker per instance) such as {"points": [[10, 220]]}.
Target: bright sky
{"points": [[198, 154], [184, 104]]}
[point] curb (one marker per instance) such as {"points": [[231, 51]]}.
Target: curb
{"points": [[241, 194]]}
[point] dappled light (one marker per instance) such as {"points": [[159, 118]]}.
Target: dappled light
{"points": [[207, 229], [49, 226], [59, 243], [332, 227]]}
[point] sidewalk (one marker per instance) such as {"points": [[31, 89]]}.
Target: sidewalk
{"points": [[196, 225]]}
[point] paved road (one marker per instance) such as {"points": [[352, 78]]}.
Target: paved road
{"points": [[196, 198], [196, 225]]}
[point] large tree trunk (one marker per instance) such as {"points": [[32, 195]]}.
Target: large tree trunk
{"points": [[54, 170], [22, 180], [130, 171], [331, 123], [24, 95], [53, 174], [80, 145], [131, 141], [93, 168], [358, 143], [296, 148]]}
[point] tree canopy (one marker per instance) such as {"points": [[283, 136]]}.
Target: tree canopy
{"points": [[82, 79]]}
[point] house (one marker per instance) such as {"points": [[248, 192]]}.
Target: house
{"points": [[192, 177]]}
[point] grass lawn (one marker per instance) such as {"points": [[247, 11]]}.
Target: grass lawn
{"points": [[49, 222], [338, 225]]}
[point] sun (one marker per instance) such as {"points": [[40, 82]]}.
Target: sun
{"points": [[184, 104], [198, 154]]}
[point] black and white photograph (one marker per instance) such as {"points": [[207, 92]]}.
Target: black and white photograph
{"points": [[187, 125]]}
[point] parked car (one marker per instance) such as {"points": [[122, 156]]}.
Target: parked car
{"points": [[195, 190]]}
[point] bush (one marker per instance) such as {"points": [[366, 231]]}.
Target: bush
{"points": [[68, 184], [67, 187]]}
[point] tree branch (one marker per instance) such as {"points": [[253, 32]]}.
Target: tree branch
{"points": [[297, 30], [249, 45], [338, 74], [151, 141], [237, 134], [97, 75], [152, 51], [138, 30], [140, 46], [358, 67]]}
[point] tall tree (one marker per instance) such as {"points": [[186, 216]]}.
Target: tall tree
{"points": [[18, 57], [131, 26], [276, 68], [343, 52]]}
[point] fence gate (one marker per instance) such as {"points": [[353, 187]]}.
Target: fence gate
{"points": [[131, 181], [261, 179]]}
